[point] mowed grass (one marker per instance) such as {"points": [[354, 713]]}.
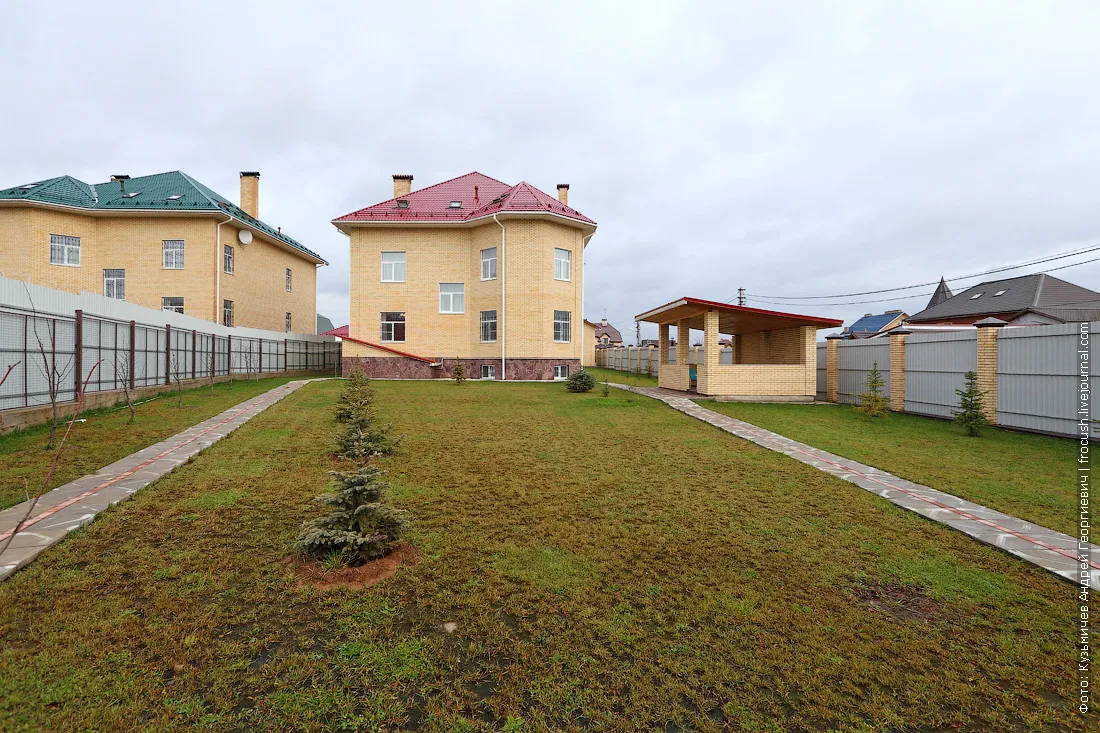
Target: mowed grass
{"points": [[632, 379], [1027, 476], [104, 437], [609, 564]]}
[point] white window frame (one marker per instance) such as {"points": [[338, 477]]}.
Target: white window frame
{"points": [[164, 306], [447, 299], [288, 321], [488, 371], [561, 371], [563, 327], [227, 313], [393, 267], [392, 329], [172, 256], [66, 246], [563, 266], [289, 282], [484, 322], [114, 286], [489, 264], [228, 259]]}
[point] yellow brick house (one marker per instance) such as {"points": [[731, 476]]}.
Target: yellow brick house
{"points": [[162, 241], [472, 271]]}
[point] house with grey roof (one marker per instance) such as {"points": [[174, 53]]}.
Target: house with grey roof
{"points": [[872, 324], [1027, 299]]}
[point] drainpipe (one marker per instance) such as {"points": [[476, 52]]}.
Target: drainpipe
{"points": [[584, 242], [503, 331], [218, 272]]}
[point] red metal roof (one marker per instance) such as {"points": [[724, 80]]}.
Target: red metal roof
{"points": [[341, 331], [433, 204], [733, 318]]}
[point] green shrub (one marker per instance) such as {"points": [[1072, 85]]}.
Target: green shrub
{"points": [[970, 414], [872, 402], [580, 381], [458, 373]]}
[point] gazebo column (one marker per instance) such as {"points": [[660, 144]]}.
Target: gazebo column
{"points": [[709, 378], [662, 339]]}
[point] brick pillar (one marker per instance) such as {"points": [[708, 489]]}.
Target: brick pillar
{"points": [[832, 368], [662, 341], [897, 369], [712, 356], [683, 343], [988, 329]]}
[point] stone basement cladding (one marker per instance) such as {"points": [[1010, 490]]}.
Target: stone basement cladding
{"points": [[380, 367]]}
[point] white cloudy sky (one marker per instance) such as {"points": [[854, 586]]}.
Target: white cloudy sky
{"points": [[792, 148]]}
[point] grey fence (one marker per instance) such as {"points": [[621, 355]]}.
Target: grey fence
{"points": [[935, 365], [822, 373], [855, 359]]}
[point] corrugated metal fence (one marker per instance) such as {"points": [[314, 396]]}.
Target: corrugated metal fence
{"points": [[935, 365], [855, 361], [822, 373], [628, 358], [54, 338]]}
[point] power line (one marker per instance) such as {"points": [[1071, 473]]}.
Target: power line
{"points": [[1041, 260]]}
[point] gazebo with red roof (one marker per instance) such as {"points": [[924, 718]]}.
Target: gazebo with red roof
{"points": [[774, 353]]}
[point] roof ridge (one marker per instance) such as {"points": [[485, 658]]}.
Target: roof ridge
{"points": [[198, 187], [1039, 289], [434, 185]]}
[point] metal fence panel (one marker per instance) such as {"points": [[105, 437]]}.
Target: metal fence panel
{"points": [[822, 374], [935, 365], [855, 359]]}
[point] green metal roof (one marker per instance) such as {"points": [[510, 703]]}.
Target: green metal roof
{"points": [[172, 191]]}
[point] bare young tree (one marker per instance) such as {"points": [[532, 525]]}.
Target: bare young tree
{"points": [[122, 371], [56, 372], [178, 370]]}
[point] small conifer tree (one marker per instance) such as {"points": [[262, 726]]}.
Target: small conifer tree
{"points": [[606, 391], [970, 413], [580, 381], [458, 373], [872, 402]]}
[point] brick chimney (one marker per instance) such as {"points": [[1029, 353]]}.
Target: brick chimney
{"points": [[563, 193], [250, 193], [603, 321], [402, 185]]}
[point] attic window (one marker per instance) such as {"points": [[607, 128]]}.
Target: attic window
{"points": [[402, 204], [999, 293], [29, 186], [975, 296], [456, 204], [132, 194], [174, 197]]}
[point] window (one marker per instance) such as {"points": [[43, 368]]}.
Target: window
{"points": [[114, 284], [975, 296], [402, 204], [174, 197], [489, 264], [64, 250], [562, 264], [488, 326], [393, 267], [227, 260], [488, 371], [393, 327], [288, 279], [227, 313], [288, 322], [456, 204], [561, 326], [173, 305], [452, 297], [999, 293], [173, 254], [561, 371]]}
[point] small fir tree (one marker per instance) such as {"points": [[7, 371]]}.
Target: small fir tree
{"points": [[361, 526], [606, 391], [358, 395], [458, 373], [363, 438], [970, 413], [872, 403], [580, 381]]}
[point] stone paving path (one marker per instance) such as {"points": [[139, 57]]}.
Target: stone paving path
{"points": [[73, 505], [1040, 546]]}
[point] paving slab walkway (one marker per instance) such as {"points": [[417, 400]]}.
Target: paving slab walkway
{"points": [[73, 505], [1053, 551]]}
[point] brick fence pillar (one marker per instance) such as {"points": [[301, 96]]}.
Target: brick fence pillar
{"points": [[897, 369], [988, 329], [832, 368]]}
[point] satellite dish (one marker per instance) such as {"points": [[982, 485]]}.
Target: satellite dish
{"points": [[244, 236]]}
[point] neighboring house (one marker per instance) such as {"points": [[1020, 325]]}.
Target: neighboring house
{"points": [[607, 335], [941, 294], [163, 241], [872, 324], [646, 343], [1031, 299], [323, 324], [470, 270]]}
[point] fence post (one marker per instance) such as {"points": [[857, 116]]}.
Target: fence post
{"points": [[260, 370], [168, 353], [213, 356], [78, 350], [194, 364], [897, 369], [133, 355], [286, 355], [832, 368], [228, 355], [988, 330]]}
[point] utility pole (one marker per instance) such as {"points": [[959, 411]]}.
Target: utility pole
{"points": [[740, 296], [638, 333]]}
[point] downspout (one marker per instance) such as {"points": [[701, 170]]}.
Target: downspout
{"points": [[218, 271], [503, 330], [584, 243]]}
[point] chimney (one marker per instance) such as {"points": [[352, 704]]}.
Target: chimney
{"points": [[250, 193], [563, 193], [868, 315], [119, 177], [603, 322], [402, 185]]}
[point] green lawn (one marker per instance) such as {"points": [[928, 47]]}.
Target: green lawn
{"points": [[611, 564], [629, 378], [1028, 476], [104, 437]]}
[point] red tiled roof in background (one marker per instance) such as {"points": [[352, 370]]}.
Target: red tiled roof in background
{"points": [[433, 204], [340, 331]]}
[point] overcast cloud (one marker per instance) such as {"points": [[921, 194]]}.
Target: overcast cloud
{"points": [[786, 147]]}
